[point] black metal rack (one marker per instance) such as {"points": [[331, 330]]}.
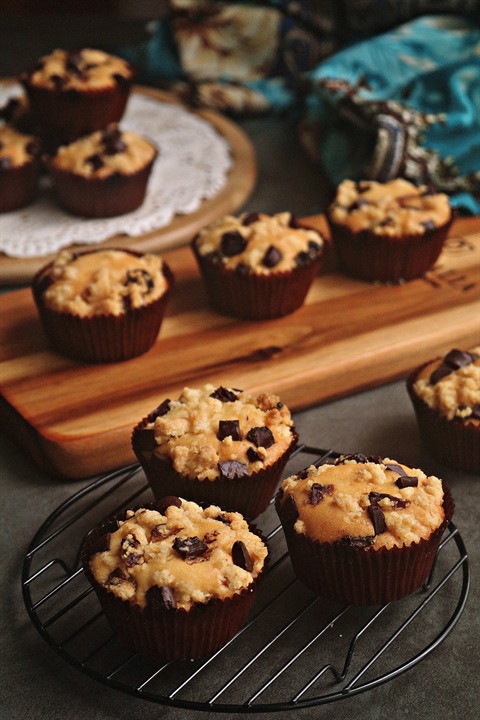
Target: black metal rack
{"points": [[296, 651]]}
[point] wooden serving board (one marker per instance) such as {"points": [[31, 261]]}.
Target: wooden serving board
{"points": [[76, 419]]}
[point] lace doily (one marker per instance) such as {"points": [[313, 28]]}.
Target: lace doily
{"points": [[191, 167]]}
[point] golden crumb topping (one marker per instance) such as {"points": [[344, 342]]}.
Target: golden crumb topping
{"points": [[85, 69], [105, 282], [260, 243], [451, 385], [191, 555], [394, 208], [369, 502], [222, 432]]}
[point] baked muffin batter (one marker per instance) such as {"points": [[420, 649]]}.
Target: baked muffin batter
{"points": [[85, 69], [16, 149]]}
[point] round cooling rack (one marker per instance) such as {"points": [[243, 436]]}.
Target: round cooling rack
{"points": [[296, 651]]}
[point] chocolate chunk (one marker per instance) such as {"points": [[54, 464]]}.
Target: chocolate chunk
{"points": [[261, 436], [356, 457], [161, 597], [110, 134], [189, 548], [168, 597], [313, 248], [223, 518], [395, 468], [232, 243], [375, 498], [116, 577], [141, 277], [162, 409], [243, 269], [251, 218], [361, 202], [389, 220], [241, 556], [441, 372], [113, 147], [363, 185], [229, 427], [272, 257], [95, 161], [131, 559], [253, 455], [318, 492], [475, 411], [302, 474], [428, 225], [231, 469], [357, 541], [458, 358], [405, 481], [6, 163], [377, 517], [165, 502], [294, 223], [224, 395], [58, 81], [302, 258], [120, 79]]}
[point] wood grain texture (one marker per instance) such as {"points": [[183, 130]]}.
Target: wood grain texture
{"points": [[239, 184], [76, 420]]}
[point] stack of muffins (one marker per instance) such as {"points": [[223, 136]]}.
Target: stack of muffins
{"points": [[72, 106]]}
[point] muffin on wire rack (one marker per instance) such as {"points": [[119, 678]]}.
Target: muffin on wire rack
{"points": [[175, 580]]}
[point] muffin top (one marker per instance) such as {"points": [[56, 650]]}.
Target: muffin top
{"points": [[451, 385], [16, 149], [102, 282], [259, 243], [221, 432], [394, 208], [105, 153], [192, 555], [365, 502], [81, 70]]}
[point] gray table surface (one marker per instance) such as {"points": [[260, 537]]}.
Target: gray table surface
{"points": [[36, 684]]}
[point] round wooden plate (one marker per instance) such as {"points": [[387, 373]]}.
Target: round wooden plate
{"points": [[239, 185]]}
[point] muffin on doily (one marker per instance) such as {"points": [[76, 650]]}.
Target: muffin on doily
{"points": [[445, 393], [175, 580], [75, 93], [258, 266], [388, 231], [217, 445], [363, 530], [104, 174], [102, 305], [19, 168]]}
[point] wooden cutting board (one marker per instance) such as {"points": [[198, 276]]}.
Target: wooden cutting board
{"points": [[76, 420]]}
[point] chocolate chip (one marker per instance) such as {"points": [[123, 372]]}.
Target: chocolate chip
{"points": [[475, 411], [224, 395], [405, 481], [302, 474], [318, 492], [250, 218], [302, 258], [232, 469], [168, 597], [132, 559], [313, 247], [6, 163], [232, 243], [110, 134], [141, 277], [458, 358], [58, 81], [164, 503], [428, 225], [253, 455], [389, 220], [363, 186], [395, 468], [361, 202], [294, 223], [95, 161], [356, 541], [229, 427], [377, 517], [375, 498], [441, 372], [241, 556], [189, 548], [223, 518], [261, 436], [272, 257], [113, 147], [121, 80], [116, 577], [243, 269], [161, 410]]}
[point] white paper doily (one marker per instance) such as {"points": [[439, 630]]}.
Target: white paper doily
{"points": [[191, 167]]}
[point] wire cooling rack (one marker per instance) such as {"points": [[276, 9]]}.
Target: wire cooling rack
{"points": [[296, 650]]}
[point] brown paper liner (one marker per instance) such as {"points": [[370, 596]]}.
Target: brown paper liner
{"points": [[65, 115], [361, 576], [18, 185], [453, 442], [102, 338], [255, 297], [248, 495], [114, 195], [382, 258], [162, 634]]}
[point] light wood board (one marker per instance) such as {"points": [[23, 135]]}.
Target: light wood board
{"points": [[76, 420], [239, 184]]}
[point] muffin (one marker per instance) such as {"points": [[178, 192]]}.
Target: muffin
{"points": [[19, 168], [102, 305], [388, 231], [445, 393], [104, 174], [175, 580], [258, 266], [75, 93], [363, 530], [216, 445]]}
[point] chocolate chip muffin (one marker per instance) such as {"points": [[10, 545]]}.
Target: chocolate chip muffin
{"points": [[217, 445], [75, 93], [258, 266], [19, 168], [364, 530], [103, 174], [445, 393], [102, 305], [175, 580], [388, 231]]}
